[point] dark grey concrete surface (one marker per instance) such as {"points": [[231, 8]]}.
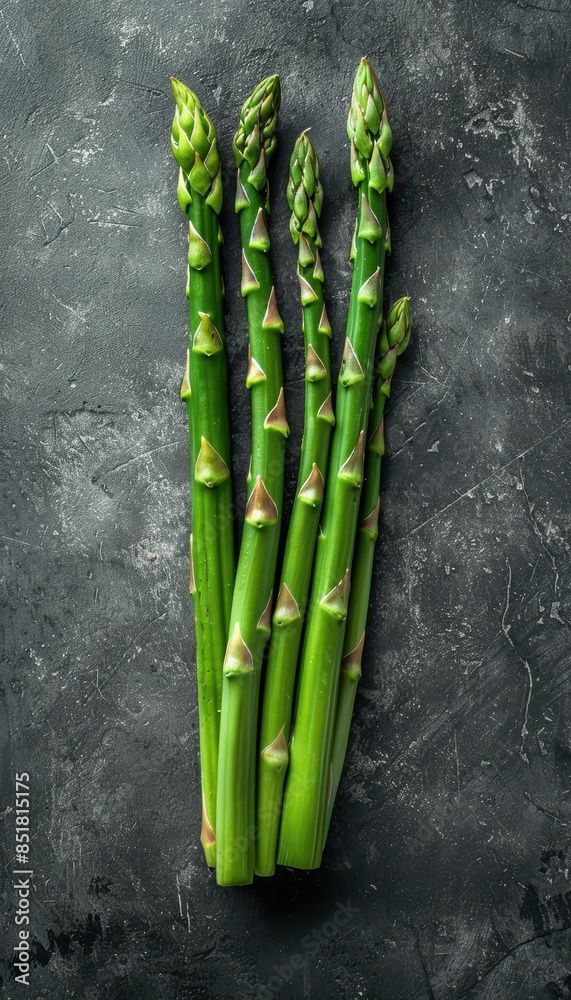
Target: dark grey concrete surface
{"points": [[451, 843]]}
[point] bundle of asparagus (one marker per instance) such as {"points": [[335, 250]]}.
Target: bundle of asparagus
{"points": [[270, 772]]}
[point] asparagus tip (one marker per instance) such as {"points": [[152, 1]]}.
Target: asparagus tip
{"points": [[194, 147], [304, 193], [255, 140]]}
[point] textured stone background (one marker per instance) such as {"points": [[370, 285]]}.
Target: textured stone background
{"points": [[452, 834]]}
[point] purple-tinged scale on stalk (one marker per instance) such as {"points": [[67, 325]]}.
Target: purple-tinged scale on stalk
{"points": [[207, 339], [272, 319], [325, 411], [207, 835], [265, 619], [307, 294], [183, 194], [238, 659], [353, 250], [351, 662], [276, 754], [300, 202], [306, 257], [259, 238], [258, 174], [287, 608], [310, 224], [351, 368], [242, 200], [352, 469], [210, 468], [336, 601], [368, 293], [318, 274], [324, 324], [376, 441], [311, 491], [370, 524], [314, 367], [249, 281], [199, 255], [357, 170], [185, 391], [369, 226], [255, 373], [276, 419], [261, 510]]}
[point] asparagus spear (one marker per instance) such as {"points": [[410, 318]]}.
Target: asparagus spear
{"points": [[394, 335], [193, 141], [305, 197], [303, 819], [250, 619]]}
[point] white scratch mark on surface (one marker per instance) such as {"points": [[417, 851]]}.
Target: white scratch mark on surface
{"points": [[74, 312], [468, 493], [134, 458], [20, 541], [506, 630], [457, 763], [537, 532], [13, 39]]}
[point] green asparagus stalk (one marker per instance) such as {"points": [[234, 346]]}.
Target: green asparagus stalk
{"points": [[250, 619], [193, 141], [394, 336], [305, 197], [305, 798]]}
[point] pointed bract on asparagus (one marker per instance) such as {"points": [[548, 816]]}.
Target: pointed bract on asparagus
{"points": [[305, 798], [253, 146], [394, 336], [204, 389], [305, 198]]}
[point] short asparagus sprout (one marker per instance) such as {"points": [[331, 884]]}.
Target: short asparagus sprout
{"points": [[394, 336]]}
